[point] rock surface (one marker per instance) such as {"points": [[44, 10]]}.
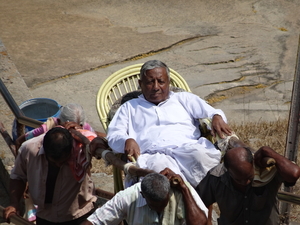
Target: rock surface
{"points": [[238, 55]]}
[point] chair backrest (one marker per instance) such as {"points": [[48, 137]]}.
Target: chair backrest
{"points": [[122, 82]]}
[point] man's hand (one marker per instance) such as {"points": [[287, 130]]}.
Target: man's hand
{"points": [[167, 172], [263, 156], [8, 212], [175, 180], [218, 126], [71, 125], [132, 149], [194, 214], [288, 170], [98, 143]]}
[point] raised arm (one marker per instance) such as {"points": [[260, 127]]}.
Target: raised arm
{"points": [[194, 215], [289, 171]]}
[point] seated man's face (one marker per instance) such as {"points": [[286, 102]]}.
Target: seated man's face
{"points": [[155, 85]]}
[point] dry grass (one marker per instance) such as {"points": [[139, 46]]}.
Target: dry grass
{"points": [[259, 134], [100, 167]]}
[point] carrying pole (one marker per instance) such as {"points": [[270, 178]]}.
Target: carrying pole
{"points": [[292, 141], [15, 219]]}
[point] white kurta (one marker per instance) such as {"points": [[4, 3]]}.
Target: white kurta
{"points": [[168, 134]]}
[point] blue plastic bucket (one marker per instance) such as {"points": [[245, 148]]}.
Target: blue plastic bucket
{"points": [[37, 108]]}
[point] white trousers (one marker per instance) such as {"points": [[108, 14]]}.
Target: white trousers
{"points": [[190, 161]]}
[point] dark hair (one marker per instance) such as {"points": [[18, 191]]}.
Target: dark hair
{"points": [[155, 186], [248, 156], [58, 142], [152, 64]]}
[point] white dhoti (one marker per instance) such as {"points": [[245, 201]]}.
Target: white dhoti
{"points": [[190, 161]]}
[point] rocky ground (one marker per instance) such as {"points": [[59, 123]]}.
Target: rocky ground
{"points": [[238, 55]]}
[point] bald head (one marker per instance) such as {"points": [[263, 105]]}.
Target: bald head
{"points": [[237, 156], [239, 163]]}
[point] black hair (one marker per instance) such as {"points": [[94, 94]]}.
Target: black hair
{"points": [[58, 142]]}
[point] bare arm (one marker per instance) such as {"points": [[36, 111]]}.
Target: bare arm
{"points": [[19, 141], [100, 134], [98, 143], [288, 170], [17, 188], [194, 215]]}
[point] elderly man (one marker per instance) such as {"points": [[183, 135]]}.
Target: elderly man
{"points": [[242, 194], [43, 162], [161, 129], [153, 201]]}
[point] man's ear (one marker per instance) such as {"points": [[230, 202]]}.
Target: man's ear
{"points": [[142, 194]]}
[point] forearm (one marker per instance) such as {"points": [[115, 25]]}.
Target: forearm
{"points": [[17, 188], [79, 137], [193, 214], [19, 141], [286, 168]]}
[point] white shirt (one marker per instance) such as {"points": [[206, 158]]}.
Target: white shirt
{"points": [[130, 205], [170, 124]]}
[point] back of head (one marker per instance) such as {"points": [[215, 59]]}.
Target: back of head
{"points": [[152, 64], [155, 186], [58, 142], [72, 112]]}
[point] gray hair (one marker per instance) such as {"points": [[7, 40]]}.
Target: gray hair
{"points": [[152, 64], [72, 112], [155, 186]]}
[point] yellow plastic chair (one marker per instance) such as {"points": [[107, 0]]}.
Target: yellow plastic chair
{"points": [[117, 85]]}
